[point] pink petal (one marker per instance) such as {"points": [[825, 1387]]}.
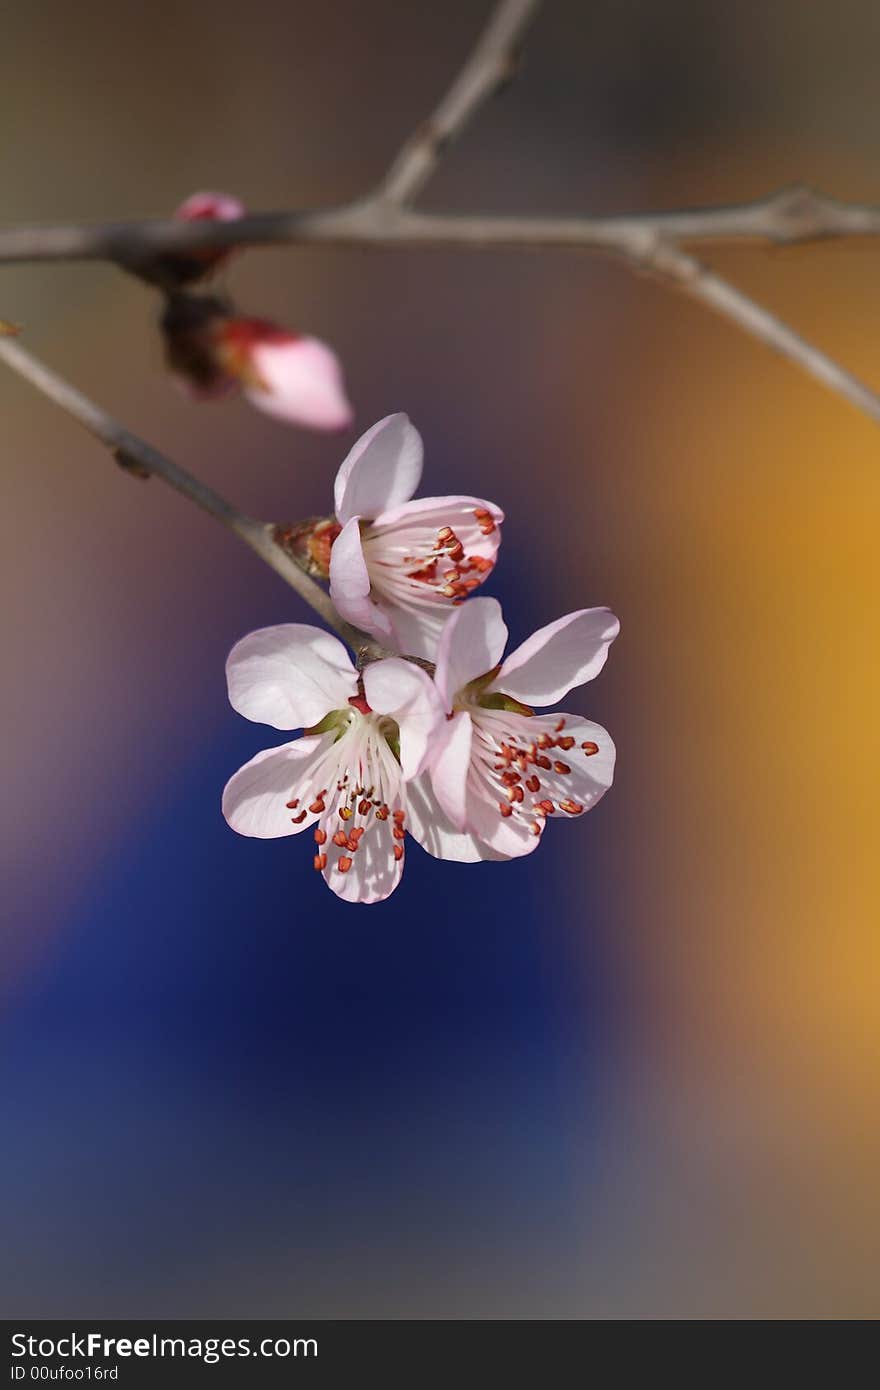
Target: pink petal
{"points": [[558, 657], [450, 767], [429, 824], [213, 207], [382, 470], [255, 798], [350, 583], [289, 676], [406, 693], [301, 382], [472, 644]]}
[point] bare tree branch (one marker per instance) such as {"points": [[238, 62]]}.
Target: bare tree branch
{"points": [[651, 242], [140, 458], [789, 217]]}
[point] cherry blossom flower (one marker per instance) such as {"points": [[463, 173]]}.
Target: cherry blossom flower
{"points": [[398, 567], [345, 778], [295, 378], [498, 771]]}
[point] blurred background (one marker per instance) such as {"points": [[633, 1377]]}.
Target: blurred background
{"points": [[637, 1074]]}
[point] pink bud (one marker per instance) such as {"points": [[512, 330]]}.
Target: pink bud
{"points": [[294, 378], [210, 207], [185, 267]]}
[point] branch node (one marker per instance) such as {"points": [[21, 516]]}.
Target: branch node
{"points": [[134, 466]]}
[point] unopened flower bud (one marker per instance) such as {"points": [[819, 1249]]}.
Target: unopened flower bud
{"points": [[292, 377], [173, 269]]}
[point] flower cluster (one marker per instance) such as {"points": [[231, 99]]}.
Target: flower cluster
{"points": [[439, 740], [214, 351]]}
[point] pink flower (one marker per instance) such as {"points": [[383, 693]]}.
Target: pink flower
{"points": [[498, 771], [398, 567], [297, 379], [346, 776]]}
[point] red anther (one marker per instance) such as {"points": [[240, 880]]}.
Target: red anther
{"points": [[470, 584], [354, 836], [444, 536], [565, 743], [298, 820], [382, 813], [485, 521], [515, 793], [481, 564], [340, 839], [561, 725], [345, 813], [399, 833], [398, 852], [534, 828], [317, 807], [544, 763], [351, 845], [546, 806], [573, 808], [533, 784], [505, 809], [292, 805], [320, 861], [320, 836], [364, 806], [510, 778], [344, 864], [360, 703], [561, 768], [400, 815], [590, 748], [426, 575], [544, 741]]}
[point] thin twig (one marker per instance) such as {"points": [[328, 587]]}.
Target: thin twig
{"points": [[135, 455], [492, 62], [702, 283]]}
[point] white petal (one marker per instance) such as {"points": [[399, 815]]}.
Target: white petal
{"points": [[382, 470], [406, 693], [289, 676], [450, 767], [558, 657], [472, 643], [429, 824], [350, 583], [255, 797], [569, 766], [511, 837], [591, 774], [414, 631], [301, 382], [373, 872]]}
